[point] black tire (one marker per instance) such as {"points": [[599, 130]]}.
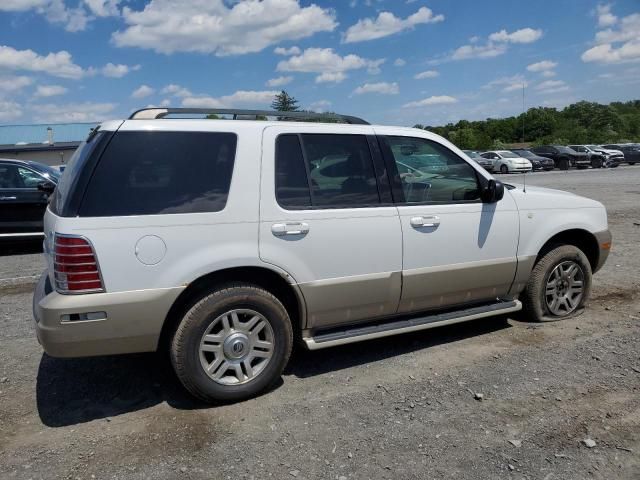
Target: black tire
{"points": [[504, 169], [534, 298], [596, 163], [563, 164], [185, 345]]}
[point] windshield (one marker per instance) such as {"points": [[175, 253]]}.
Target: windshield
{"points": [[472, 154], [564, 149], [524, 153], [578, 148], [507, 154], [46, 171]]}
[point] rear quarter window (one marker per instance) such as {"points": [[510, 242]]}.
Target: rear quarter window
{"points": [[150, 173]]}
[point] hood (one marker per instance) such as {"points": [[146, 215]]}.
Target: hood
{"points": [[537, 198]]}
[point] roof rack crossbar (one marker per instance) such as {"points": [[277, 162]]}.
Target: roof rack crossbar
{"points": [[158, 113]]}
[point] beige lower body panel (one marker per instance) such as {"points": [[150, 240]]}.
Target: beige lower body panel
{"points": [[349, 299], [131, 323], [448, 285], [523, 272]]}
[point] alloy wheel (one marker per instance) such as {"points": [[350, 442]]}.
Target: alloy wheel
{"points": [[236, 347], [564, 288]]}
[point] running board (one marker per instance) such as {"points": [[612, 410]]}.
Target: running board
{"points": [[395, 327]]}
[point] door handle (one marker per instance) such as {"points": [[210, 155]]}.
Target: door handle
{"points": [[8, 198], [430, 221], [289, 228]]}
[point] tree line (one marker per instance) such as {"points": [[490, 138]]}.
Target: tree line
{"points": [[579, 123]]}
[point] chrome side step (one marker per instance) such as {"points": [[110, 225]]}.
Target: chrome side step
{"points": [[394, 327]]}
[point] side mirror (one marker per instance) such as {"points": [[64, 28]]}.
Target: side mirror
{"points": [[493, 192], [46, 187]]}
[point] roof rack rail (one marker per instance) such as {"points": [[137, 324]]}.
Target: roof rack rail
{"points": [[157, 113]]}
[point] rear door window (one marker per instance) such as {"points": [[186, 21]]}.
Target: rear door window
{"points": [[325, 171], [148, 173]]}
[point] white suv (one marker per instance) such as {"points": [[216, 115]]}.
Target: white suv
{"points": [[224, 241]]}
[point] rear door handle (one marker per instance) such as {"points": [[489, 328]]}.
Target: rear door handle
{"points": [[289, 228], [430, 221], [8, 198]]}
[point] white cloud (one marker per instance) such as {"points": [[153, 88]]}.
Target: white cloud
{"points": [[619, 45], [331, 77], [605, 17], [524, 35], [176, 91], [279, 81], [21, 5], [11, 83], [165, 103], [142, 91], [328, 64], [426, 74], [72, 112], [478, 51], [73, 19], [103, 8], [118, 71], [320, 106], [382, 88], [241, 97], [388, 24], [287, 51], [508, 84], [57, 64], [433, 100], [9, 110], [49, 91], [548, 73], [542, 66], [399, 62], [210, 26], [552, 86]]}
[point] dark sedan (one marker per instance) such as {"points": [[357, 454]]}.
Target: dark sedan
{"points": [[631, 151], [537, 162], [476, 157], [25, 187], [564, 157]]}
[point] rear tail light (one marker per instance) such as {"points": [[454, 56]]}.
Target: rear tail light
{"points": [[75, 266]]}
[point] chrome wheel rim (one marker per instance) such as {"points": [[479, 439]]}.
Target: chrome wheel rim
{"points": [[236, 347], [564, 288]]}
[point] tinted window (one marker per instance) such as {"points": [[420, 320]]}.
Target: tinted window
{"points": [[292, 187], [145, 173], [438, 175], [340, 171], [30, 179], [69, 179]]}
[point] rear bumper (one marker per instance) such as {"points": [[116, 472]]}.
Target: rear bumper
{"points": [[120, 322], [604, 247]]}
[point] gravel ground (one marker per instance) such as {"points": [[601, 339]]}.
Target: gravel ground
{"points": [[559, 400]]}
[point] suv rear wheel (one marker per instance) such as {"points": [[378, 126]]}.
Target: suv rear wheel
{"points": [[232, 344], [559, 285], [564, 164]]}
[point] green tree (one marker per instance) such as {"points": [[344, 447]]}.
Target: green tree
{"points": [[283, 102]]}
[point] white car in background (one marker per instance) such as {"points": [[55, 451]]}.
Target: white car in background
{"points": [[505, 161]]}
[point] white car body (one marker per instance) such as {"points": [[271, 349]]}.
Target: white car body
{"points": [[504, 159], [342, 265]]}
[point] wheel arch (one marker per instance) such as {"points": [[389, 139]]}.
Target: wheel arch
{"points": [[271, 280], [579, 238]]}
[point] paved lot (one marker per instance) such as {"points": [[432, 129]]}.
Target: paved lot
{"points": [[398, 408]]}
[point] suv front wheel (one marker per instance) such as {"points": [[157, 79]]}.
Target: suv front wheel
{"points": [[559, 285], [232, 344]]}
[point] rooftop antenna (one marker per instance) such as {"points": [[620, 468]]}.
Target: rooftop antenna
{"points": [[524, 175]]}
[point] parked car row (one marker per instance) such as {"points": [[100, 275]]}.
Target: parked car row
{"points": [[548, 157], [25, 187]]}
